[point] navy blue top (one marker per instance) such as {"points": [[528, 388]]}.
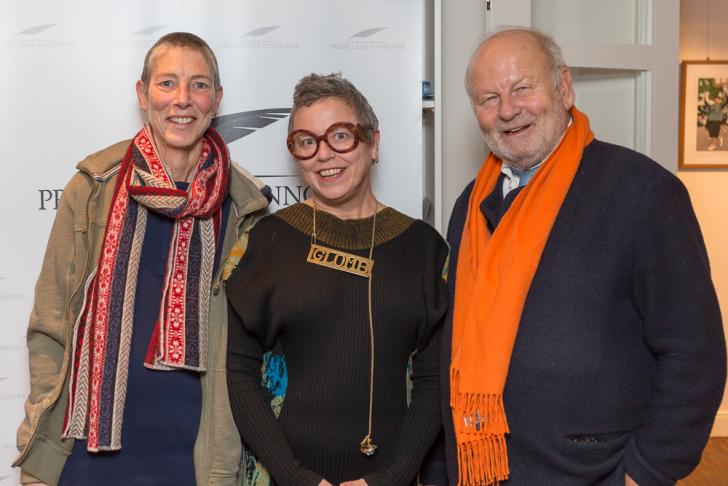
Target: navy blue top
{"points": [[162, 410]]}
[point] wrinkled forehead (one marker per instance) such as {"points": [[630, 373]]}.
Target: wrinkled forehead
{"points": [[166, 51], [515, 50], [502, 73]]}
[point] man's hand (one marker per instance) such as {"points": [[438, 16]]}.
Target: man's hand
{"points": [[628, 481], [358, 482]]}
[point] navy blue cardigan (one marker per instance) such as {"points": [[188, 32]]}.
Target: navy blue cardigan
{"points": [[619, 363]]}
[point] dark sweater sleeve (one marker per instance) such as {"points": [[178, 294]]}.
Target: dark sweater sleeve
{"points": [[682, 326], [454, 236], [423, 420], [254, 418]]}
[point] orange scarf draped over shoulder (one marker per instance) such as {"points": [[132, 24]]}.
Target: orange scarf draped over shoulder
{"points": [[494, 274]]}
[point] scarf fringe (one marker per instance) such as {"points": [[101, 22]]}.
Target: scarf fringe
{"points": [[480, 414], [483, 462], [481, 446], [477, 413]]}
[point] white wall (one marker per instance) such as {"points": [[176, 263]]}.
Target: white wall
{"points": [[463, 27], [709, 188]]}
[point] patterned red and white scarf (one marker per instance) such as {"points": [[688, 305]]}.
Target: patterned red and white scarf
{"points": [[102, 333]]}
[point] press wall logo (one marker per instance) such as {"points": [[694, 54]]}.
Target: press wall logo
{"points": [[368, 39], [285, 189], [267, 37], [10, 396], [42, 35], [238, 125], [6, 298], [17, 346], [49, 198], [144, 37]]}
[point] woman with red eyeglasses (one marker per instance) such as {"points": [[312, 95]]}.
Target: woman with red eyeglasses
{"points": [[347, 289]]}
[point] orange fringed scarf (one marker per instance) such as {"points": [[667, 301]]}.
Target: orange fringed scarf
{"points": [[494, 274]]}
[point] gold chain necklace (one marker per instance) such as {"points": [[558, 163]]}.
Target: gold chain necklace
{"points": [[363, 267]]}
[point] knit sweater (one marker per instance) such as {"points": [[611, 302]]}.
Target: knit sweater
{"points": [[318, 316]]}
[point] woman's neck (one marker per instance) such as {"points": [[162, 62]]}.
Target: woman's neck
{"points": [[182, 170], [181, 163], [364, 208]]}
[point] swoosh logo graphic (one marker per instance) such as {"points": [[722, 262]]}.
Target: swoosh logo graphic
{"points": [[235, 126], [367, 33], [262, 31], [35, 29], [149, 30]]}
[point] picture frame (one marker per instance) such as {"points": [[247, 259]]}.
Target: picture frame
{"points": [[703, 121]]}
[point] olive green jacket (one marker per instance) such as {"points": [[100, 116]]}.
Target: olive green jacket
{"points": [[71, 255]]}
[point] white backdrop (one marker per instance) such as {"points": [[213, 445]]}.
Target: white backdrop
{"points": [[67, 74]]}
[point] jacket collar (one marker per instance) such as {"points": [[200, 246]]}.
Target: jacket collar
{"points": [[106, 162]]}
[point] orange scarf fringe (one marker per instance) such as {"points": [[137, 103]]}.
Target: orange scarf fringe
{"points": [[494, 274]]}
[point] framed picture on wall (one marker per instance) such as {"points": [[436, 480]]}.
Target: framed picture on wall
{"points": [[703, 138]]}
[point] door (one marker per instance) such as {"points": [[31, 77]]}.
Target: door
{"points": [[624, 60]]}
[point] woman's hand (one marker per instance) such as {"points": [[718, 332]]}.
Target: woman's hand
{"points": [[358, 482], [325, 483]]}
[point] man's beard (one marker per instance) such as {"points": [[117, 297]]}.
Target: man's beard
{"points": [[545, 133]]}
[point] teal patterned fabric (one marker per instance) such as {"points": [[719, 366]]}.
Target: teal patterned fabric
{"points": [[274, 381]]}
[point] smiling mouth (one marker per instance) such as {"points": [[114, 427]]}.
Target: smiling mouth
{"points": [[330, 172], [514, 131], [181, 120]]}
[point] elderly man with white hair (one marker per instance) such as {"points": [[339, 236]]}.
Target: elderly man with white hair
{"points": [[585, 343]]}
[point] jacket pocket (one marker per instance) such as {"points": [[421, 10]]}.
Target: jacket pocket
{"points": [[80, 252], [602, 444]]}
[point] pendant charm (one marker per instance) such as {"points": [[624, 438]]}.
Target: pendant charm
{"points": [[366, 447]]}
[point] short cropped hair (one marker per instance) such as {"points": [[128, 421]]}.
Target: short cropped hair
{"points": [[181, 39], [547, 44], [316, 87]]}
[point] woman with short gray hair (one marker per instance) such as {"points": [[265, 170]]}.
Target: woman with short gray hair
{"points": [[348, 289], [127, 337]]}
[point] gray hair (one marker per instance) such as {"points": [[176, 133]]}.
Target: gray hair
{"points": [[316, 87], [181, 39], [547, 44]]}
